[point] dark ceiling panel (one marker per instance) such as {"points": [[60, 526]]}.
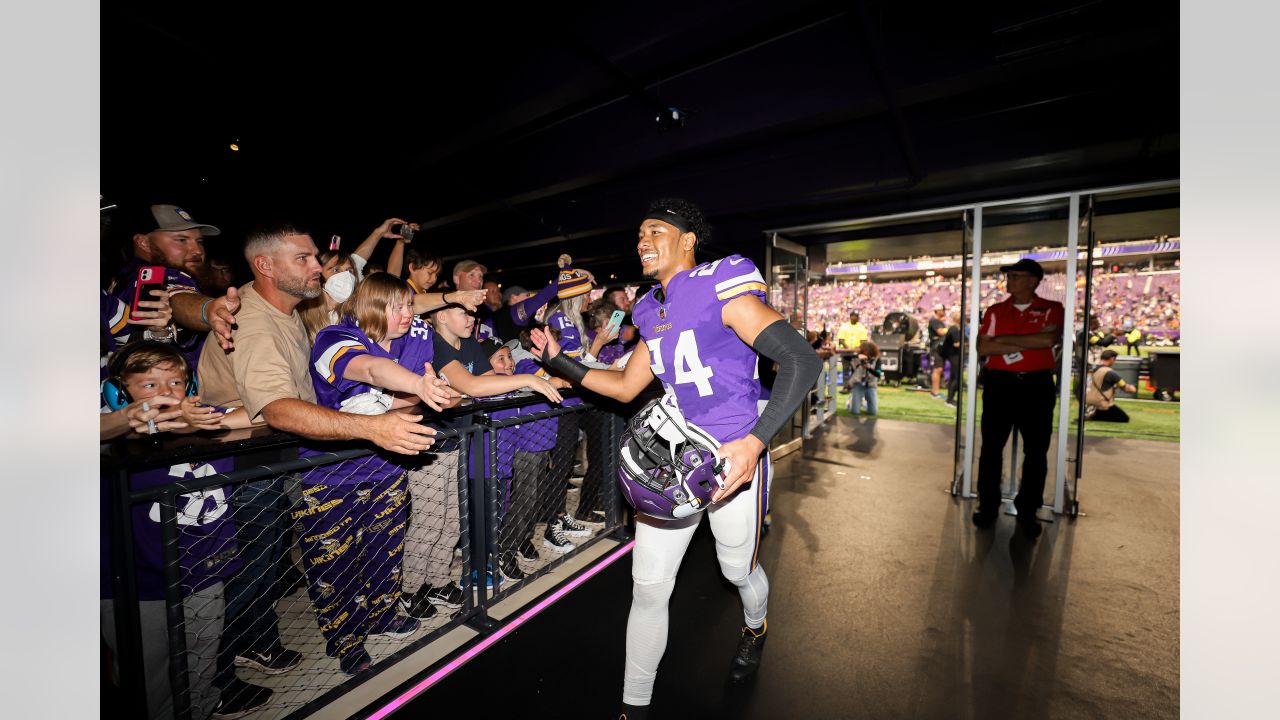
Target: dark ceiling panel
{"points": [[513, 132]]}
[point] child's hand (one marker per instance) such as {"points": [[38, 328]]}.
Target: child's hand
{"points": [[158, 414], [198, 417], [433, 390], [543, 387]]}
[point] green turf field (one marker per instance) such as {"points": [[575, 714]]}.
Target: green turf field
{"points": [[1148, 419]]}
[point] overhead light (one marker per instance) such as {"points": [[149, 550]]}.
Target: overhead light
{"points": [[671, 117], [862, 277], [235, 147], [929, 273]]}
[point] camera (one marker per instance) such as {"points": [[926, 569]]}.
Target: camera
{"points": [[403, 229]]}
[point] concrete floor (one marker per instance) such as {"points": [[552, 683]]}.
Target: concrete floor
{"points": [[886, 603]]}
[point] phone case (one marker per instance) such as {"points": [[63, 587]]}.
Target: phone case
{"points": [[150, 277]]}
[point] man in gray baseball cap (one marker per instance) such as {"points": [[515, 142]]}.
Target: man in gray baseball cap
{"points": [[167, 236]]}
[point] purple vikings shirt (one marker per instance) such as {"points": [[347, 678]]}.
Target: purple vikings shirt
{"points": [[334, 349], [113, 316], [125, 285], [207, 551], [570, 340], [415, 347], [712, 374], [411, 351]]}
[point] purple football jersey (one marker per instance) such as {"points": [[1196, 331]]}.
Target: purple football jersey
{"points": [[415, 347], [570, 338], [125, 285], [113, 317], [207, 550], [336, 346], [712, 374]]}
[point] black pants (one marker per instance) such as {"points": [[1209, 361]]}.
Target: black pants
{"points": [[1025, 402], [953, 383], [1114, 414], [591, 496], [554, 486]]}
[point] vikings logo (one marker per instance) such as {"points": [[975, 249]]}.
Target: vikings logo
{"points": [[359, 535], [361, 601], [347, 642], [329, 543], [393, 494], [325, 589], [363, 495], [311, 500]]}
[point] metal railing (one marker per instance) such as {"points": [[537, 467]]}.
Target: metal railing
{"points": [[214, 549]]}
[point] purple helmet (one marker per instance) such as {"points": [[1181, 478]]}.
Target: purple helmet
{"points": [[668, 467]]}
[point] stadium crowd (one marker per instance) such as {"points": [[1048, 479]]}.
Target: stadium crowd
{"points": [[322, 343], [1146, 301]]}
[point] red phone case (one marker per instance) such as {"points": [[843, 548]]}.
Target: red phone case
{"points": [[150, 277]]}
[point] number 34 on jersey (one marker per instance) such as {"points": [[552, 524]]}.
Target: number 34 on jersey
{"points": [[686, 363]]}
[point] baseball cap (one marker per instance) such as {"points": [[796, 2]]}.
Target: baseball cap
{"points": [[466, 266], [1026, 265], [171, 218]]}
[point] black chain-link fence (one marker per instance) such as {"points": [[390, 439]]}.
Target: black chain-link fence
{"points": [[276, 574]]}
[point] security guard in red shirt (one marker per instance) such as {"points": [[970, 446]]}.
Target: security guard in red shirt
{"points": [[1018, 337]]}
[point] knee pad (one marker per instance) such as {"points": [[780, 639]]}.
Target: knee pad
{"points": [[652, 594], [735, 572]]}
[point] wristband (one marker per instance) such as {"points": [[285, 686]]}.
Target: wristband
{"points": [[565, 366], [203, 308]]}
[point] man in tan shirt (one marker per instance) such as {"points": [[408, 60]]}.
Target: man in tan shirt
{"points": [[267, 372]]}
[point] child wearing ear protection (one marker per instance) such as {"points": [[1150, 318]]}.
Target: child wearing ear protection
{"points": [[150, 388], [155, 376]]}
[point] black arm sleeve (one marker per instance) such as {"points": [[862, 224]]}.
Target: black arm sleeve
{"points": [[567, 367], [798, 368]]}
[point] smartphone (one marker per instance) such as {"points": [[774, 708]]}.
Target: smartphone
{"points": [[216, 409], [405, 230], [615, 321], [150, 277]]}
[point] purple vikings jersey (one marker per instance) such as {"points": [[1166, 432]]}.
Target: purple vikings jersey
{"points": [[415, 347], [712, 374], [113, 320], [125, 285], [207, 551], [334, 348], [570, 340], [484, 323], [412, 350]]}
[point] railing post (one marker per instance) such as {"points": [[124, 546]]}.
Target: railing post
{"points": [[475, 464], [128, 616], [174, 615]]}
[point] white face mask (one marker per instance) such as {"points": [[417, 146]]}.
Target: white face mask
{"points": [[339, 286]]}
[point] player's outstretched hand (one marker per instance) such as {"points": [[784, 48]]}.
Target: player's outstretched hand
{"points": [[544, 346]]}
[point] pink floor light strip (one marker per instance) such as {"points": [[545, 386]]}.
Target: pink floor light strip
{"points": [[507, 629]]}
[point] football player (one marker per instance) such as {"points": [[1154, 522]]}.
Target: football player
{"points": [[702, 330]]}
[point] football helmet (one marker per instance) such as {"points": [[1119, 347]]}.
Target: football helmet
{"points": [[669, 467]]}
